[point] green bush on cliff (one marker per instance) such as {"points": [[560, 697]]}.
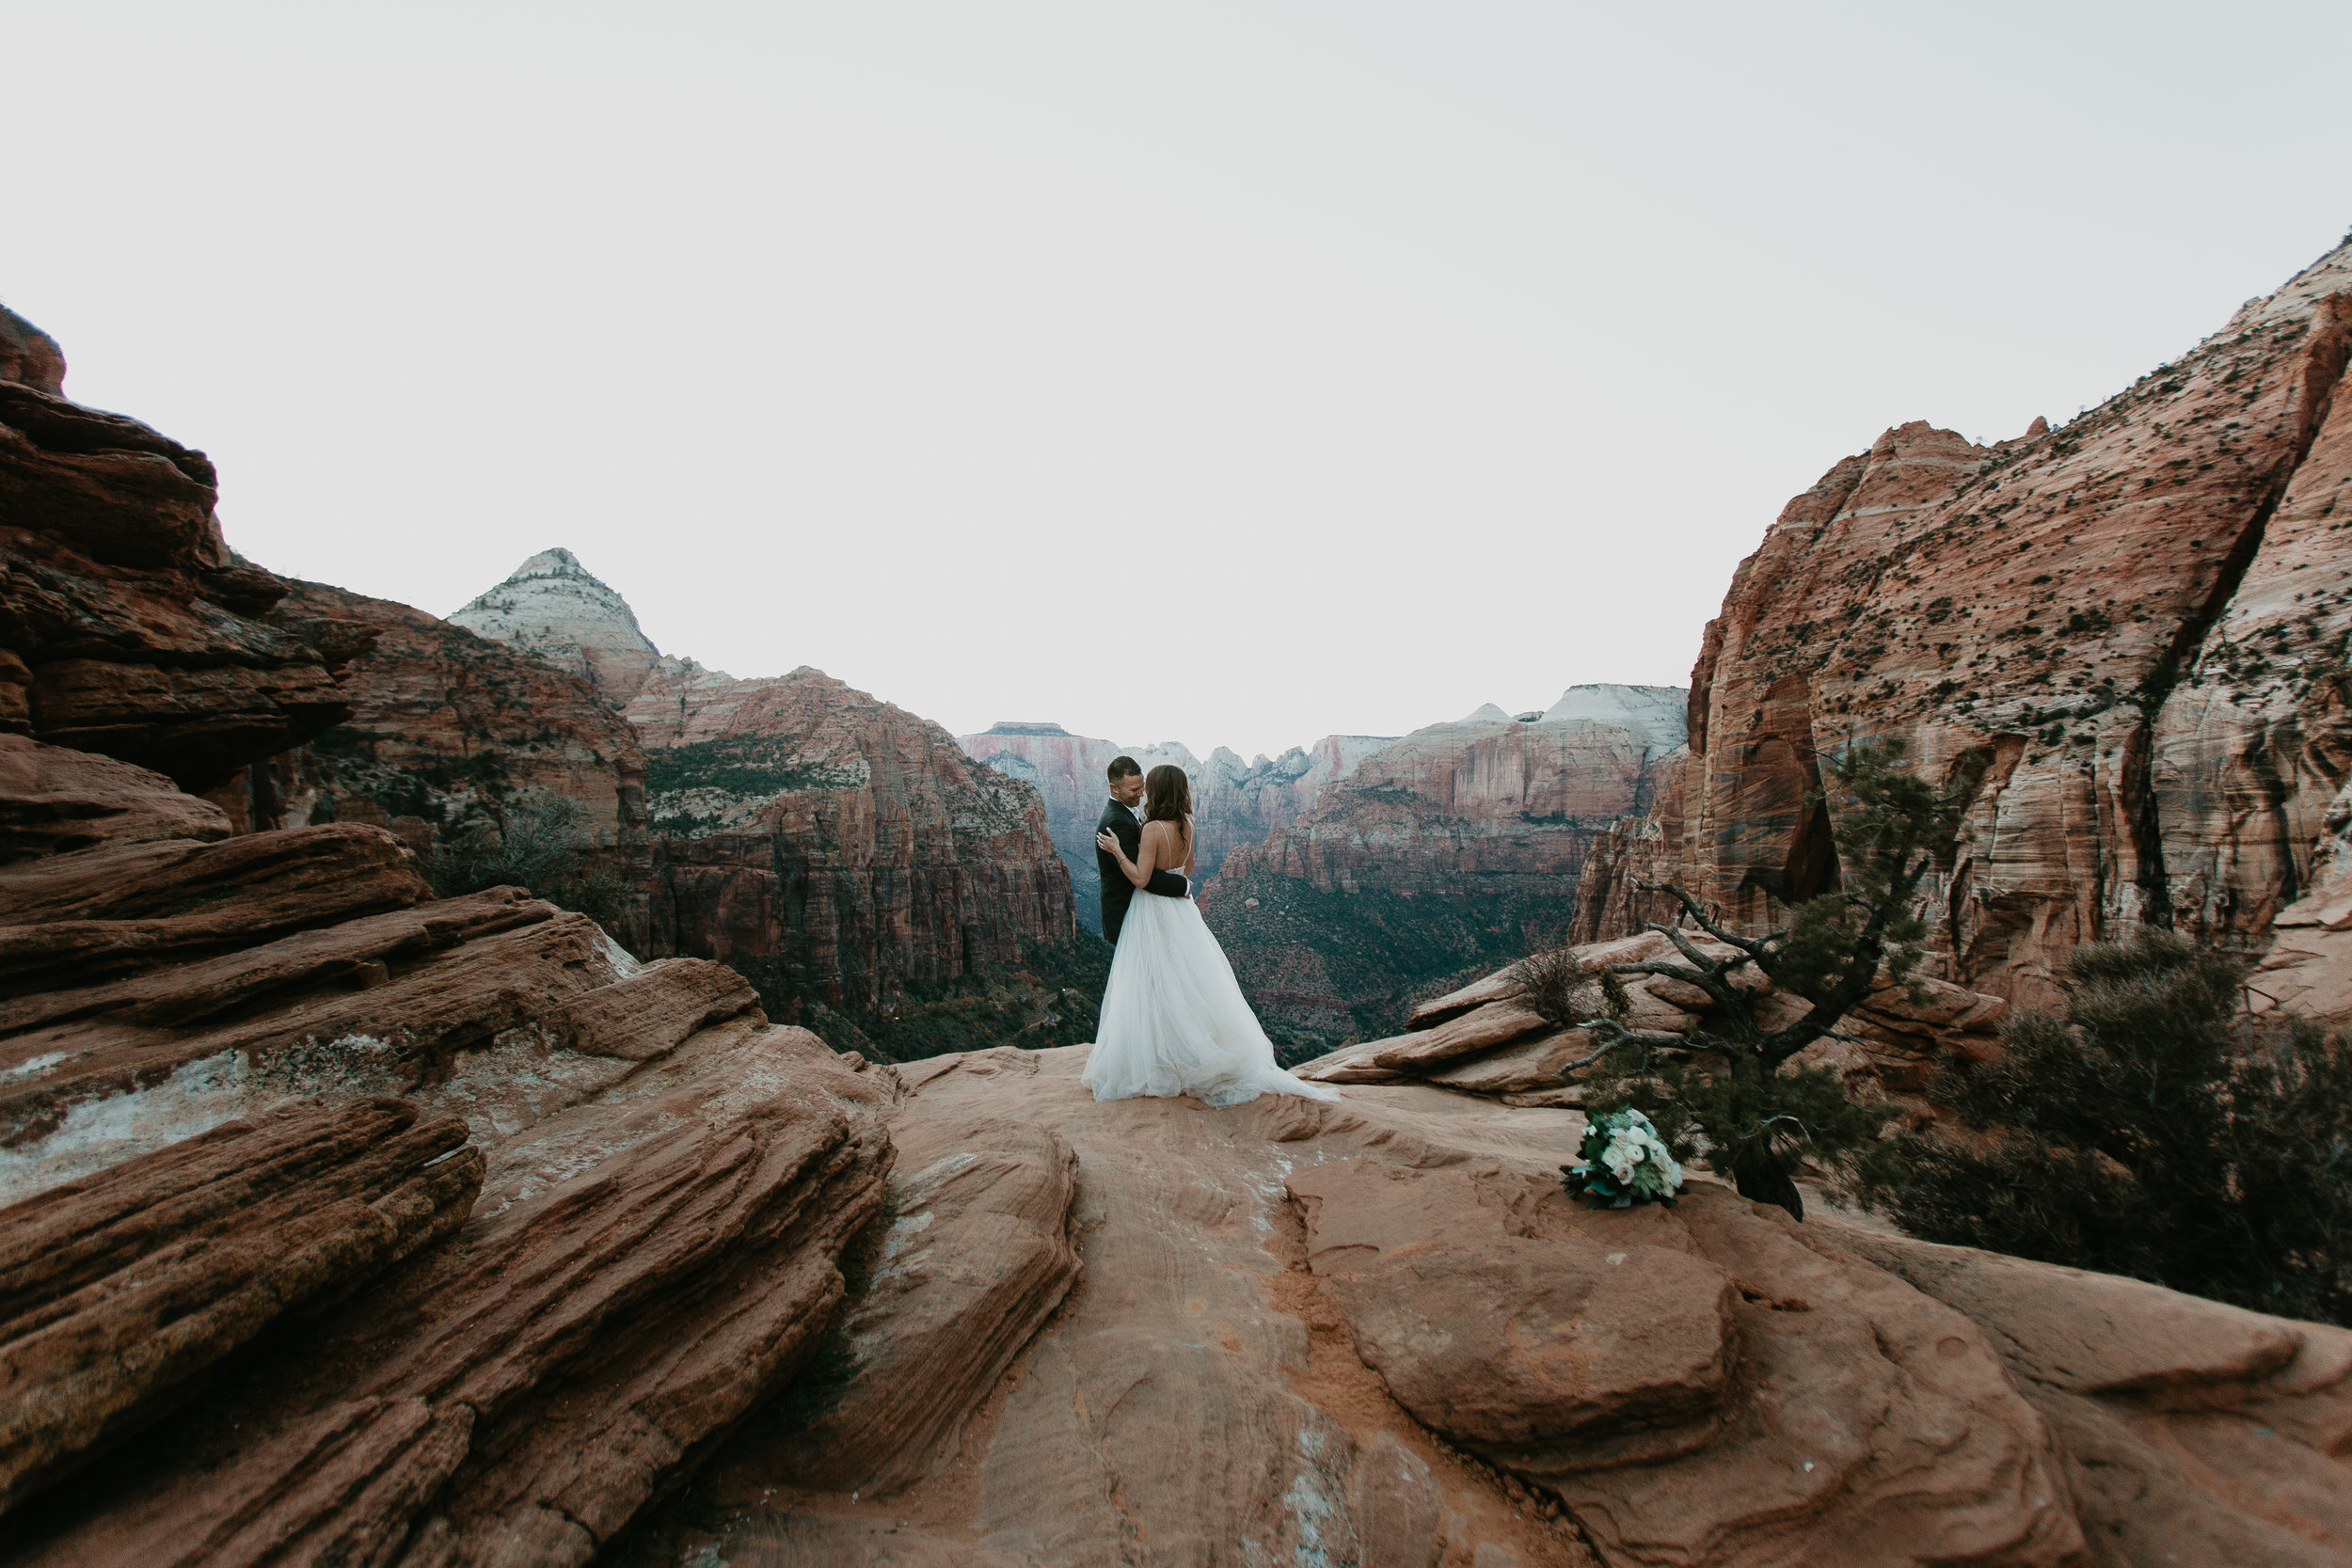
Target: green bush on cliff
{"points": [[2150, 1130], [533, 842], [1731, 1087]]}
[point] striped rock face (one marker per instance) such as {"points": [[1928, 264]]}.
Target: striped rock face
{"points": [[2136, 623]]}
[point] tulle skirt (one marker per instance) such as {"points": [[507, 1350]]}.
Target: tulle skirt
{"points": [[1174, 1019]]}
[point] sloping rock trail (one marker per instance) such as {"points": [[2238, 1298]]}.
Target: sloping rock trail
{"points": [[1378, 1333]]}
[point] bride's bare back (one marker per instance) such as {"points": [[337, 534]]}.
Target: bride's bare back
{"points": [[1163, 843]]}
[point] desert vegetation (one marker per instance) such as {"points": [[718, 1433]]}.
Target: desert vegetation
{"points": [[2152, 1129], [535, 839], [1732, 1087]]}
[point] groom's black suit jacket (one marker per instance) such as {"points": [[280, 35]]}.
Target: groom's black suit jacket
{"points": [[1117, 892]]}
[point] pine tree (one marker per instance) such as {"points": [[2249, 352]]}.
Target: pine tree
{"points": [[1728, 1083]]}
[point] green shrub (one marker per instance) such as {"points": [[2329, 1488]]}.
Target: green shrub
{"points": [[2152, 1130], [1729, 1089]]}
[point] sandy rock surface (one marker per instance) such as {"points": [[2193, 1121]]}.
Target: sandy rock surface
{"points": [[1378, 1332]]}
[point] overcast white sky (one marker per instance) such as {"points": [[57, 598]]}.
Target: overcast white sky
{"points": [[1228, 374]]}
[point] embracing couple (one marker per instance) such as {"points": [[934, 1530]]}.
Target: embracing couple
{"points": [[1174, 1021]]}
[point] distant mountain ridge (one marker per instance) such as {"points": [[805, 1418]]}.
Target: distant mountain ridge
{"points": [[1234, 803], [1457, 847]]}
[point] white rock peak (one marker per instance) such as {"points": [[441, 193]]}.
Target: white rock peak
{"points": [[557, 609]]}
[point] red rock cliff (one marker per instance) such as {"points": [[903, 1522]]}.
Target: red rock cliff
{"points": [[833, 846], [126, 625], [2136, 621]]}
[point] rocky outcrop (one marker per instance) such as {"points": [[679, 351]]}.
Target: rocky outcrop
{"points": [[30, 357], [553, 607], [1447, 851], [1485, 1039], [117, 1289], [2135, 624], [126, 625], [241, 1076], [445, 727], [1234, 803], [835, 847], [1379, 1332], [839, 850]]}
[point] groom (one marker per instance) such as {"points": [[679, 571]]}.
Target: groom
{"points": [[1122, 818]]}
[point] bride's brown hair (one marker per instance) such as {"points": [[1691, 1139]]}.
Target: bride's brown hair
{"points": [[1167, 798]]}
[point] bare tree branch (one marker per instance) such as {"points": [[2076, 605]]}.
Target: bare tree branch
{"points": [[1748, 944], [1614, 1035]]}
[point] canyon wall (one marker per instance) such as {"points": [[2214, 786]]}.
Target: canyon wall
{"points": [[840, 851], [836, 847], [127, 626], [442, 723], [1234, 803], [344, 1223], [2135, 624], [1451, 850]]}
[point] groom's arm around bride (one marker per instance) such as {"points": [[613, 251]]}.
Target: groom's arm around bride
{"points": [[1122, 818]]}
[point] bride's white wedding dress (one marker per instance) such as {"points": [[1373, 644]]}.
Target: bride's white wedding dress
{"points": [[1174, 1021]]}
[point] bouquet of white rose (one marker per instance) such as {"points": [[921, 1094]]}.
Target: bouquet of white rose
{"points": [[1622, 1163]]}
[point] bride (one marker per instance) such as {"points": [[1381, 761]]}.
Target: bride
{"points": [[1174, 1021]]}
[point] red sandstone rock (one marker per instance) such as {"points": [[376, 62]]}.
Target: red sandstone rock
{"points": [[654, 1151], [1281, 1301], [117, 1287], [1481, 1040], [30, 356], [867, 855], [126, 627], [2132, 621], [976, 1261], [527, 1391], [53, 800], [2193, 1432], [1513, 1340]]}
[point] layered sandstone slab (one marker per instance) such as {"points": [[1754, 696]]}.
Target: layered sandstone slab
{"points": [[117, 1289], [126, 625], [976, 1260], [595, 1327], [1485, 1038], [665, 1186]]}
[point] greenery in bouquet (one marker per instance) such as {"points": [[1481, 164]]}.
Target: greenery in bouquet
{"points": [[1621, 1161]]}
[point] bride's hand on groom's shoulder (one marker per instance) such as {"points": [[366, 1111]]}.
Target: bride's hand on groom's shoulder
{"points": [[1106, 842]]}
